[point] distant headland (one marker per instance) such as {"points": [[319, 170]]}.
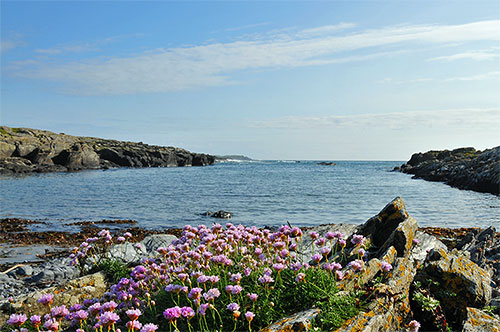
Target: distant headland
{"points": [[25, 150], [464, 168]]}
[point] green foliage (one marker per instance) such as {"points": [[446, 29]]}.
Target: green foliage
{"points": [[491, 309], [427, 302], [114, 270]]}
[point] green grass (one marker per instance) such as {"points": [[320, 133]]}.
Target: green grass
{"points": [[114, 270]]}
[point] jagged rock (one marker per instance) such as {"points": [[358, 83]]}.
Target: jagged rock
{"points": [[402, 237], [479, 321], [25, 150], [301, 321], [425, 244], [464, 168], [381, 226], [391, 308], [459, 275]]}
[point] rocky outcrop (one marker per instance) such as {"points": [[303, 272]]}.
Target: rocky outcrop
{"points": [[24, 150], [464, 168]]}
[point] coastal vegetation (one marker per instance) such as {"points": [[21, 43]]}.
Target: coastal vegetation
{"points": [[382, 275]]}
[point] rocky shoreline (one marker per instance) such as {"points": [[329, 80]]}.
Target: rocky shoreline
{"points": [[464, 168], [25, 150], [459, 268]]}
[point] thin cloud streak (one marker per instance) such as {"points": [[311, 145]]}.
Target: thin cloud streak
{"points": [[470, 118], [208, 65]]}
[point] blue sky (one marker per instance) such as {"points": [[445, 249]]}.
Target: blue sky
{"points": [[374, 80]]}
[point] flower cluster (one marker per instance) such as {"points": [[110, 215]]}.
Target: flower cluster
{"points": [[210, 278]]}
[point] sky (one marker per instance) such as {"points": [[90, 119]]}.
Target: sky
{"points": [[319, 80]]}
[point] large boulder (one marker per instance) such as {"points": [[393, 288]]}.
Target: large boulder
{"points": [[478, 321], [456, 274]]}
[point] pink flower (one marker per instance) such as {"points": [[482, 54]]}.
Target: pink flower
{"points": [[133, 325], [236, 277], [325, 251], [416, 241], [46, 299], [133, 314], [253, 297], [357, 239], [187, 312], [414, 326], [195, 293], [202, 310], [36, 320], [233, 306], [314, 235], [51, 324], [316, 258], [211, 294], [109, 306], [356, 265], [81, 315], [108, 318], [173, 313], [149, 327], [249, 316], [17, 320], [339, 275], [300, 277], [386, 267], [59, 312]]}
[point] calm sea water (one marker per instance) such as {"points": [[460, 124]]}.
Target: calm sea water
{"points": [[257, 193]]}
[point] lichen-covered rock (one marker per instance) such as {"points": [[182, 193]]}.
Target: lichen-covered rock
{"points": [[459, 275], [69, 293], [425, 244], [479, 321], [391, 306], [402, 237], [381, 226], [301, 321]]}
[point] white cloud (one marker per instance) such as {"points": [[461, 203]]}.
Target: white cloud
{"points": [[480, 77], [67, 49], [469, 118], [477, 55], [7, 45], [212, 64]]}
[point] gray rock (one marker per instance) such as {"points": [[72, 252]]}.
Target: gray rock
{"points": [[464, 168], [425, 244], [457, 274], [153, 242], [479, 321], [128, 252]]}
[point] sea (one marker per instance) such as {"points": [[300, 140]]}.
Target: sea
{"points": [[257, 193]]}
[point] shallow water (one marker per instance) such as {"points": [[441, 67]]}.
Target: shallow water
{"points": [[257, 193]]}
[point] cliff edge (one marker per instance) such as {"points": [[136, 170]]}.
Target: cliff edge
{"points": [[25, 150]]}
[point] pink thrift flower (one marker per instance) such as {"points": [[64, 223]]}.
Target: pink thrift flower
{"points": [[233, 306], [17, 320], [149, 327], [414, 326], [46, 299], [133, 314], [386, 267], [36, 320], [133, 325], [249, 316]]}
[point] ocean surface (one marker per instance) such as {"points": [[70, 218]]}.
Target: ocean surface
{"points": [[257, 193]]}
